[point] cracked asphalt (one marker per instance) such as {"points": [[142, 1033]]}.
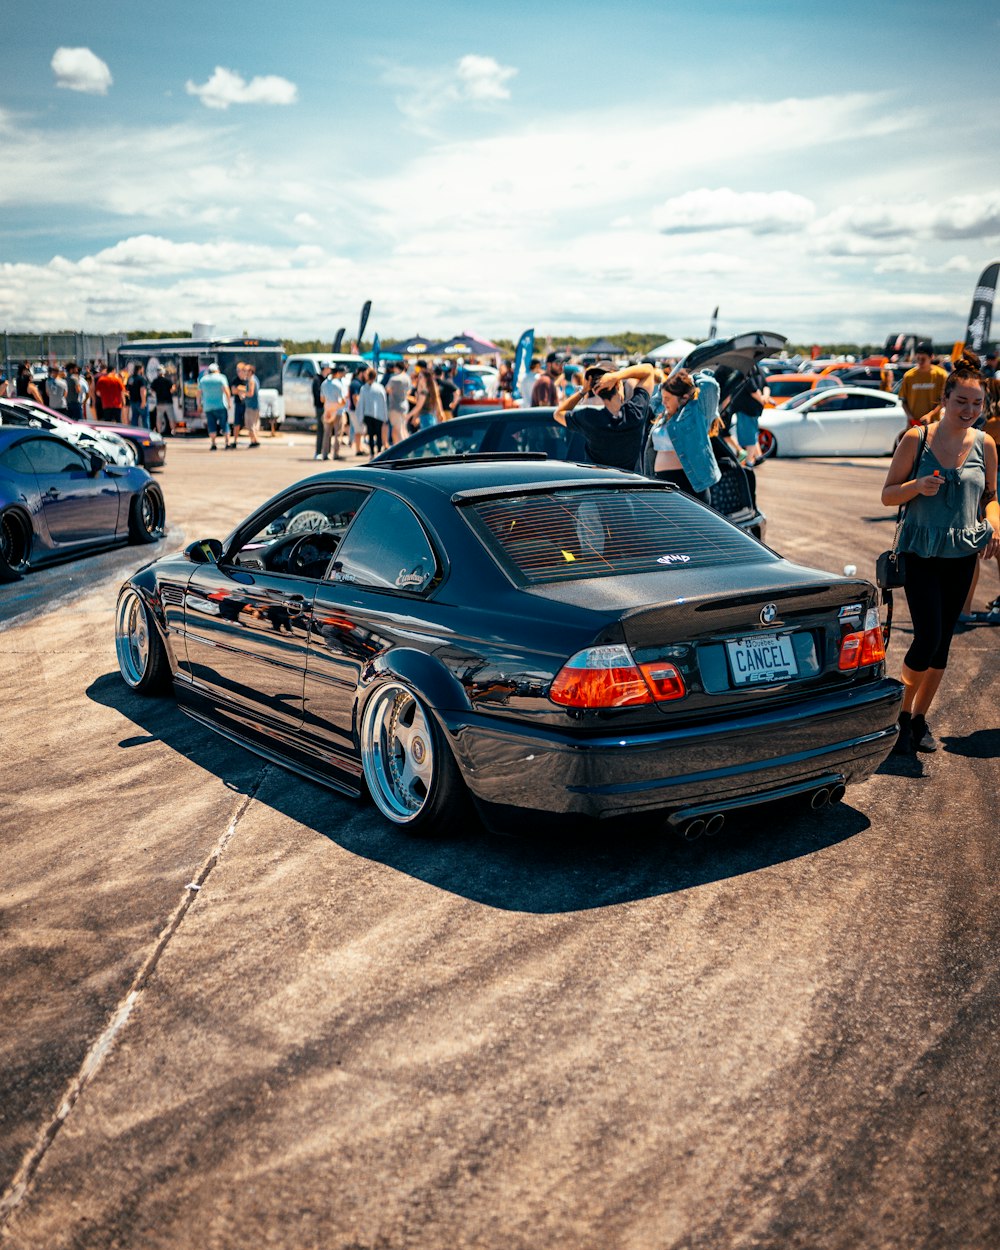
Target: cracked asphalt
{"points": [[786, 1036]]}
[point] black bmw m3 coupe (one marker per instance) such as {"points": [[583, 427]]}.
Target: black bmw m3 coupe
{"points": [[538, 636]]}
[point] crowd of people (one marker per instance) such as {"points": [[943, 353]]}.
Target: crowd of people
{"points": [[97, 392]]}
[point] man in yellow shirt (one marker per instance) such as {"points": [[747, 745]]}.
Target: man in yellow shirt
{"points": [[922, 388]]}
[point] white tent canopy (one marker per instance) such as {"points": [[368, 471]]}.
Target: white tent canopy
{"points": [[676, 349]]}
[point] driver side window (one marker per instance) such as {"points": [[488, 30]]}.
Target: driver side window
{"points": [[300, 537]]}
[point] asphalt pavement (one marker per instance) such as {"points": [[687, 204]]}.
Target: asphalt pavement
{"points": [[239, 1010]]}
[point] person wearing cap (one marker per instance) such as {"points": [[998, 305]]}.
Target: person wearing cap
{"points": [[543, 393], [215, 399], [612, 421], [334, 393], [989, 369], [922, 388]]}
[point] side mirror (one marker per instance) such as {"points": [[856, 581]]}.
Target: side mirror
{"points": [[97, 463], [205, 551]]}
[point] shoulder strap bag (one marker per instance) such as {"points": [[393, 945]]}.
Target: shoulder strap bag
{"points": [[890, 566]]}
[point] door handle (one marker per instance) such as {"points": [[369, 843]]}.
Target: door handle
{"points": [[52, 492]]}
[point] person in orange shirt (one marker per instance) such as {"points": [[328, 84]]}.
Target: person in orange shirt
{"points": [[111, 392], [922, 388]]}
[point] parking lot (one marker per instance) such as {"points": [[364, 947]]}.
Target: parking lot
{"points": [[239, 1010]]}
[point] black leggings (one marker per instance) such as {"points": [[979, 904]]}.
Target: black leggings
{"points": [[680, 480], [935, 588]]}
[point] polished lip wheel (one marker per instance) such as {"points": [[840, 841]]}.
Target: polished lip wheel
{"points": [[132, 638], [12, 540], [150, 512], [397, 753]]}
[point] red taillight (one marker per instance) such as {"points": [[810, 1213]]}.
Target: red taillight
{"points": [[609, 677], [861, 649]]}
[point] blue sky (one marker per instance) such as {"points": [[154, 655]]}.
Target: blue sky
{"points": [[827, 171]]}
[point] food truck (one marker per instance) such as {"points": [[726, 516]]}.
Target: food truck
{"points": [[185, 360]]}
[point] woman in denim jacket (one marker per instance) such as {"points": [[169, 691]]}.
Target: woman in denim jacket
{"points": [[679, 444]]}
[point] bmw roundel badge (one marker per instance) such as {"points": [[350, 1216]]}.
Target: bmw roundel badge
{"points": [[767, 613]]}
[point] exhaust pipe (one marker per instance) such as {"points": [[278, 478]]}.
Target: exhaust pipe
{"points": [[693, 830], [819, 799], [714, 824], [837, 792]]}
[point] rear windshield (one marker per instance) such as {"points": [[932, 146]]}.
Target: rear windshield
{"points": [[781, 390], [567, 535]]}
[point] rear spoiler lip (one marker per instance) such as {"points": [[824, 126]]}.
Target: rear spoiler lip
{"points": [[849, 587]]}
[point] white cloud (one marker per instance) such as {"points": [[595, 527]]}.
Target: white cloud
{"points": [[79, 69], [480, 81], [226, 87], [306, 220], [483, 78], [759, 212]]}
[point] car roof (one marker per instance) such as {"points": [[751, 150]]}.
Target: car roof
{"points": [[448, 475], [11, 433]]}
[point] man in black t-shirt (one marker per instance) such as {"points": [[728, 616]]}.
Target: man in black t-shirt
{"points": [[612, 422], [163, 388]]}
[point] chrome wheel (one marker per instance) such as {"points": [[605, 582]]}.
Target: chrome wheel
{"points": [[397, 753], [147, 515], [132, 639]]}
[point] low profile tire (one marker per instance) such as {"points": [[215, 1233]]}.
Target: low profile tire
{"points": [[411, 773], [147, 515], [768, 444], [15, 545], [142, 657]]}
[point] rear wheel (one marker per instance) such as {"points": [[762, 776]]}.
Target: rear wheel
{"points": [[142, 657], [15, 545], [410, 771], [147, 515], [768, 444]]}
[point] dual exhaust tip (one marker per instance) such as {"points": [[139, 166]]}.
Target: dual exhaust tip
{"points": [[709, 826], [827, 795]]}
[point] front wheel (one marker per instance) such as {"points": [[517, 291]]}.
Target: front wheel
{"points": [[147, 515], [142, 657], [410, 771], [768, 444], [15, 545]]}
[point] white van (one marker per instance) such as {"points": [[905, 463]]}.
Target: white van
{"points": [[297, 378]]}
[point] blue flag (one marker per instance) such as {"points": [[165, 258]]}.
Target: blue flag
{"points": [[522, 359], [376, 353]]}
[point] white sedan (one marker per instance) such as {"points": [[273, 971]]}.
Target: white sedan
{"points": [[847, 421]]}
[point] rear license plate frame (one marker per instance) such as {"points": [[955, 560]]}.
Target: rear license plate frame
{"points": [[744, 672]]}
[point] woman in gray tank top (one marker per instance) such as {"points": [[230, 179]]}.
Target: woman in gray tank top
{"points": [[949, 490]]}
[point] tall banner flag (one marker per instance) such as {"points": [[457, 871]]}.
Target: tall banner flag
{"points": [[977, 332], [522, 359], [338, 340], [365, 310], [376, 354], [713, 329]]}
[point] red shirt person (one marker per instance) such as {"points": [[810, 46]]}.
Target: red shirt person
{"points": [[111, 392]]}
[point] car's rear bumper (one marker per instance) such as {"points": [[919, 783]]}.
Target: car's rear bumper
{"points": [[514, 767]]}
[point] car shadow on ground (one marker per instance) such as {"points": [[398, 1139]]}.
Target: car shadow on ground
{"points": [[534, 872]]}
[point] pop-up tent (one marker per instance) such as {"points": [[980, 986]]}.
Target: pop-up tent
{"points": [[466, 344], [418, 345], [602, 347]]}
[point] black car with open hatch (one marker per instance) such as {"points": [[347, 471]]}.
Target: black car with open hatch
{"points": [[548, 638]]}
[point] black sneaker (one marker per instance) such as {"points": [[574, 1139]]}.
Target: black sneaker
{"points": [[904, 743], [923, 739]]}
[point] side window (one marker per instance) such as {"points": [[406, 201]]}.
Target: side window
{"points": [[308, 369], [453, 438], [293, 369], [538, 436], [830, 403], [387, 549], [16, 459], [300, 538], [50, 455]]}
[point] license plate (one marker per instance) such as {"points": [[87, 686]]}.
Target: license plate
{"points": [[762, 658]]}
